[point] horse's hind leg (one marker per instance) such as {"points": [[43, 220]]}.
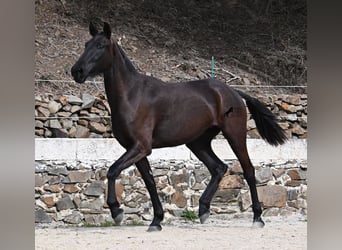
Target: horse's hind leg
{"points": [[146, 173], [202, 149], [234, 130]]}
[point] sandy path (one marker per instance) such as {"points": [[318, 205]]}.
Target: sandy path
{"points": [[233, 233]]}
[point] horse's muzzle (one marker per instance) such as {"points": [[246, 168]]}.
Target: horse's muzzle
{"points": [[78, 74]]}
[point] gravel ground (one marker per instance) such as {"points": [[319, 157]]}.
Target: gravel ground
{"points": [[220, 232]]}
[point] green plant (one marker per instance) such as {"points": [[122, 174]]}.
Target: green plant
{"points": [[189, 215], [135, 223]]}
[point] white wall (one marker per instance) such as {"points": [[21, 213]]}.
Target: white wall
{"points": [[109, 149]]}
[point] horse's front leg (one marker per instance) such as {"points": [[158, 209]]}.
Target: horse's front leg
{"points": [[146, 173], [131, 156]]}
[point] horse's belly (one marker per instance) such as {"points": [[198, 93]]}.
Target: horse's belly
{"points": [[180, 131]]}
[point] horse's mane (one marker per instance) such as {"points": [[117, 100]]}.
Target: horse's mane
{"points": [[128, 62]]}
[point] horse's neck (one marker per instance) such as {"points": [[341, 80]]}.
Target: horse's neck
{"points": [[117, 79]]}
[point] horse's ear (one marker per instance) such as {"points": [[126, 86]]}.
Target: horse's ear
{"points": [[92, 29], [107, 30]]}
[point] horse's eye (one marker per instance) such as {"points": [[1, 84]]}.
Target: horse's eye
{"points": [[99, 46]]}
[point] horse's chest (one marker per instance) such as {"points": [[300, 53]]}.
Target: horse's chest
{"points": [[122, 132]]}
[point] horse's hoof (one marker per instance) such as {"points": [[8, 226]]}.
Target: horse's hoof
{"points": [[204, 217], [258, 223], [119, 217], [154, 228]]}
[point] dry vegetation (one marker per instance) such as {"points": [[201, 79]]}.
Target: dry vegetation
{"points": [[254, 42]]}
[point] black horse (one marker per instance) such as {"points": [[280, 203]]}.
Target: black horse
{"points": [[148, 113]]}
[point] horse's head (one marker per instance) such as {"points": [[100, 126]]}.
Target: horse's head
{"points": [[97, 55]]}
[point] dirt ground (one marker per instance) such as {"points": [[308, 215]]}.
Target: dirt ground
{"points": [[218, 233], [253, 42]]}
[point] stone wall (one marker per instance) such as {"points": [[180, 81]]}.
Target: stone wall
{"points": [[74, 192], [88, 116]]}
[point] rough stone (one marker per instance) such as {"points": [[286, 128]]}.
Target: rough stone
{"points": [[64, 203], [39, 132], [97, 127], [253, 133], [295, 183], [251, 124], [94, 205], [72, 132], [74, 100], [64, 114], [201, 174], [194, 200], [272, 211], [75, 108], [39, 180], [284, 125], [226, 195], [293, 99], [236, 168], [292, 117], [97, 219], [298, 130], [231, 181], [49, 200], [88, 100], [131, 210], [272, 196], [245, 199], [59, 133], [41, 216], [54, 107], [63, 100], [57, 170], [101, 174], [278, 172], [39, 124], [54, 123], [79, 176], [288, 107], [297, 174], [263, 175], [43, 112], [168, 191], [292, 194], [179, 199], [53, 188], [96, 188], [66, 123], [74, 218], [82, 132], [160, 172], [71, 188], [178, 178]]}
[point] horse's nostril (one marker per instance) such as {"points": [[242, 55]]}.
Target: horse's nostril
{"points": [[76, 71]]}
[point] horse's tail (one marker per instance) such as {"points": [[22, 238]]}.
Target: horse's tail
{"points": [[265, 121]]}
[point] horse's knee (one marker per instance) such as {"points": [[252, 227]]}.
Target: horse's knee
{"points": [[113, 173], [221, 170]]}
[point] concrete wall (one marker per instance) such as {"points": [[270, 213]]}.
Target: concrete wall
{"points": [[110, 149]]}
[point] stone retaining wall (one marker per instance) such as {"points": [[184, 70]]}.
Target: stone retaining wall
{"points": [[87, 116], [73, 190]]}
